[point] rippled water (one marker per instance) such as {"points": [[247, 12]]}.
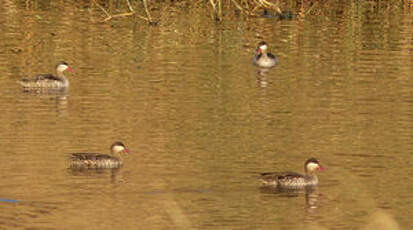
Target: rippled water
{"points": [[201, 121]]}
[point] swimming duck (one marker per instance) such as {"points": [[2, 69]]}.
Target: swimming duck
{"points": [[49, 80], [263, 58], [294, 180], [99, 160]]}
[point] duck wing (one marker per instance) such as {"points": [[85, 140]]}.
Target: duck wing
{"points": [[49, 77], [273, 57], [280, 174], [256, 58], [41, 77], [276, 177], [89, 156]]}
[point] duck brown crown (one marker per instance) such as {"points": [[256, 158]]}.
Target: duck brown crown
{"points": [[312, 160], [62, 63], [262, 44], [118, 147], [117, 143], [262, 48]]}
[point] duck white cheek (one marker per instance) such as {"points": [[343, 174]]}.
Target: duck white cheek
{"points": [[118, 148], [61, 68], [312, 166]]}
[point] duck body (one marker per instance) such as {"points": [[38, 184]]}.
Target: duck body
{"points": [[45, 81], [94, 161], [288, 180], [267, 60], [263, 58], [99, 160], [48, 81], [292, 180]]}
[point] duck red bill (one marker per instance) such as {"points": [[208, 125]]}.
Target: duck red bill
{"points": [[69, 69], [320, 168], [127, 151]]}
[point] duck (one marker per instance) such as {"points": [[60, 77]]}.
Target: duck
{"points": [[292, 180], [48, 80], [99, 160], [263, 58]]}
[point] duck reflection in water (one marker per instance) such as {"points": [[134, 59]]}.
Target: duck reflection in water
{"points": [[311, 194], [98, 173]]}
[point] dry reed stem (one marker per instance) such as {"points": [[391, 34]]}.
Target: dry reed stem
{"points": [[129, 6], [303, 12], [243, 10], [132, 12], [251, 7], [217, 12], [237, 5], [103, 9], [213, 4], [266, 4], [245, 3], [145, 4]]}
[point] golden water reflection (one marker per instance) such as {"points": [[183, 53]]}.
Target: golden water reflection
{"points": [[201, 122]]}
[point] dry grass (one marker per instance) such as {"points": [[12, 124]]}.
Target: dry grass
{"points": [[222, 8]]}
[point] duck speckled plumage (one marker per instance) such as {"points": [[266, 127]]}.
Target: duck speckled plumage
{"points": [[48, 80], [98, 160], [291, 180], [264, 59]]}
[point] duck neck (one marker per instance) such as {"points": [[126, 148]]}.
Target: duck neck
{"points": [[264, 53], [62, 78], [311, 176], [117, 155]]}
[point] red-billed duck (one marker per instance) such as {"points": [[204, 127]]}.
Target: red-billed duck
{"points": [[294, 180], [99, 160], [264, 59], [49, 81]]}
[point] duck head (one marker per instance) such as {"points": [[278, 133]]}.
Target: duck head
{"points": [[262, 47], [63, 66], [118, 147], [312, 165]]}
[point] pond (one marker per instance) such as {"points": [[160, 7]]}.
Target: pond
{"points": [[201, 121]]}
